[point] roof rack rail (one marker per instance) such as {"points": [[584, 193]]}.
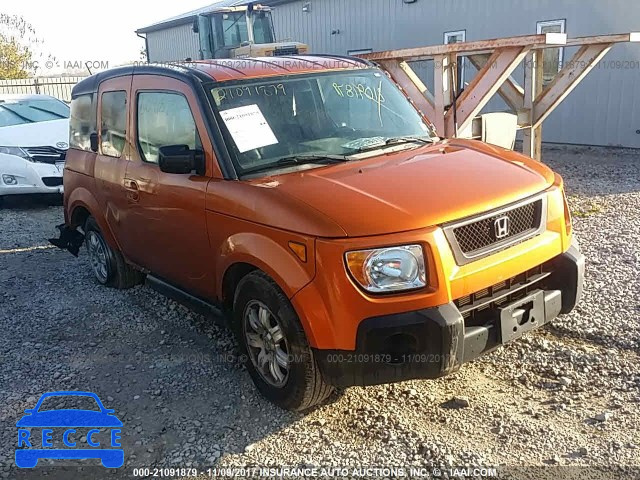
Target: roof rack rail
{"points": [[345, 57]]}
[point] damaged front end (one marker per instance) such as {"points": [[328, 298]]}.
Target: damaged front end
{"points": [[70, 239]]}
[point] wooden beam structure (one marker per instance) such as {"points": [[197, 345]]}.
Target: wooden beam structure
{"points": [[484, 85], [567, 79], [510, 91], [495, 60], [412, 85]]}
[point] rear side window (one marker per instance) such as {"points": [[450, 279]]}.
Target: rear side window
{"points": [[164, 119], [82, 122], [113, 123]]}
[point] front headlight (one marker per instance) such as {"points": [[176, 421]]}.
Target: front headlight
{"points": [[391, 269], [17, 151]]}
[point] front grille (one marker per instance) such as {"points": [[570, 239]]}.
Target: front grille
{"points": [[52, 181], [283, 51], [479, 236], [46, 154], [479, 308]]}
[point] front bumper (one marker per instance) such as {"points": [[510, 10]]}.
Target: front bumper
{"points": [[434, 342], [30, 190]]}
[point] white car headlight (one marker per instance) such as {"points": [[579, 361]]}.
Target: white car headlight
{"points": [[391, 269], [17, 151]]}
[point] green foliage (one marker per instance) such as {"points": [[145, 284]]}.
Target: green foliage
{"points": [[17, 41]]}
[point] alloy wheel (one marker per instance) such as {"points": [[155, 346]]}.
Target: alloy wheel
{"points": [[98, 256], [266, 344]]}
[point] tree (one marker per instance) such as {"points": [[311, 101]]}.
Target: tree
{"points": [[19, 45]]}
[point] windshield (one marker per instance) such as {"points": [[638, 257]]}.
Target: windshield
{"points": [[69, 402], [319, 114], [18, 112]]}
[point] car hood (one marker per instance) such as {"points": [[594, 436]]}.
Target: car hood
{"points": [[36, 134], [69, 418], [409, 190]]}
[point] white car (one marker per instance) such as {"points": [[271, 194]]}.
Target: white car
{"points": [[34, 136]]}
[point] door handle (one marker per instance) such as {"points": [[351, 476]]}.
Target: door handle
{"points": [[130, 184], [132, 190]]}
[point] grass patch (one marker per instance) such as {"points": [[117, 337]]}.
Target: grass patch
{"points": [[588, 211]]}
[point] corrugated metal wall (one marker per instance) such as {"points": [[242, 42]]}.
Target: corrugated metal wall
{"points": [[173, 44], [603, 110]]}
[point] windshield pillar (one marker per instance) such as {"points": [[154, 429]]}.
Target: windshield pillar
{"points": [[249, 16]]}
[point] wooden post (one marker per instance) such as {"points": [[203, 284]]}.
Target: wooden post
{"points": [[533, 77], [452, 80], [439, 93]]}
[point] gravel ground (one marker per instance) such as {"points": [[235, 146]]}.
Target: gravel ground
{"points": [[563, 397]]}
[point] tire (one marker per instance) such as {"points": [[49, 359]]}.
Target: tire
{"points": [[108, 265], [303, 385]]}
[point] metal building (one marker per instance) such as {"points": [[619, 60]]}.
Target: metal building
{"points": [[603, 110]]}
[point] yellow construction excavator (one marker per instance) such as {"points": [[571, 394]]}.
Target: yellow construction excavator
{"points": [[241, 31]]}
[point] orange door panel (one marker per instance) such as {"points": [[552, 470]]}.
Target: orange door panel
{"points": [[112, 158], [167, 231]]}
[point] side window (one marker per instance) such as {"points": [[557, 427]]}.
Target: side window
{"points": [[457, 37], [552, 57], [82, 122], [113, 123], [164, 119]]}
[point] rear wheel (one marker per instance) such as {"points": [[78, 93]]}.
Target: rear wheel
{"points": [[278, 356], [108, 265]]}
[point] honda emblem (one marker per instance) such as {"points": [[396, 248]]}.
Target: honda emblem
{"points": [[501, 227]]}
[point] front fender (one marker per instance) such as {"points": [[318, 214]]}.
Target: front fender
{"points": [[271, 255], [268, 255]]}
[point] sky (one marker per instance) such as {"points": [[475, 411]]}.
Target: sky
{"points": [[77, 31]]}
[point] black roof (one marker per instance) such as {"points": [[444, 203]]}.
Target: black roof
{"points": [[185, 72], [90, 84]]}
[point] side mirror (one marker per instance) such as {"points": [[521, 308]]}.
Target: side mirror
{"points": [[93, 140], [180, 159]]}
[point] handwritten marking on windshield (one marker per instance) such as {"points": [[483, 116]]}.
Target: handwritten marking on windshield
{"points": [[250, 91], [360, 91]]}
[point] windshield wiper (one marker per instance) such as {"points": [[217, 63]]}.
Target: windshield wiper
{"points": [[394, 141], [298, 160]]}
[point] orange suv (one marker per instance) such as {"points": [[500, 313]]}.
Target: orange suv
{"points": [[308, 197]]}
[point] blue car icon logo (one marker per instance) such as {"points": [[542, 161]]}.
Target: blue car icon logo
{"points": [[100, 427]]}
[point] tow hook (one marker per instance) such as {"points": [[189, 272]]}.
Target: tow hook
{"points": [[70, 239]]}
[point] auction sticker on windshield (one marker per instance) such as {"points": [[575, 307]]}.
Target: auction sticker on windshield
{"points": [[248, 127]]}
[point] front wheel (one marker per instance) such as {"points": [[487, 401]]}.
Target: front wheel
{"points": [[278, 356], [108, 265]]}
